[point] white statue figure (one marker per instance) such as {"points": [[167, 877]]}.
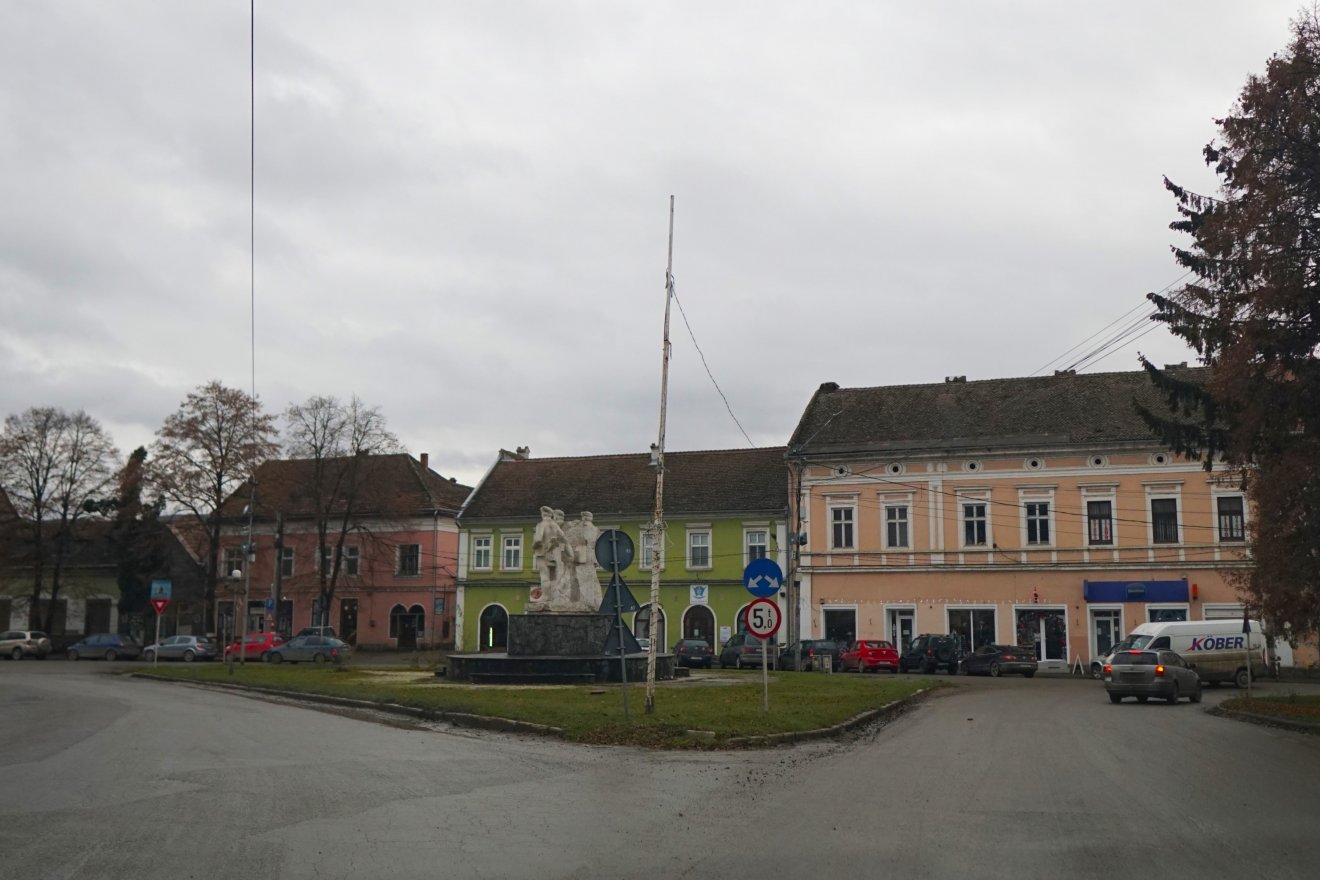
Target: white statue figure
{"points": [[549, 545], [586, 584]]}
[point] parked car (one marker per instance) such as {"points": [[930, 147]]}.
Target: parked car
{"points": [[19, 643], [1098, 663], [1144, 674], [255, 646], [185, 648], [930, 652], [106, 645], [328, 631], [694, 652], [741, 650], [317, 649], [869, 655], [802, 654], [997, 660]]}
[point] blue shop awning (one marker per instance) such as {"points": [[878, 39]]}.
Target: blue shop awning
{"points": [[1135, 591]]}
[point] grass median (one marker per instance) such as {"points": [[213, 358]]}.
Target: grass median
{"points": [[1289, 707], [724, 706]]}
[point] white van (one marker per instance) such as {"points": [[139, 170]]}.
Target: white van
{"points": [[1216, 648]]}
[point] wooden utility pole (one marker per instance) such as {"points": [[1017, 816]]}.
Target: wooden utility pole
{"points": [[658, 526]]}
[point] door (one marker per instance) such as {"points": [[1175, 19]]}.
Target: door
{"points": [[1047, 629], [902, 622], [348, 611], [699, 623], [1106, 631], [493, 629], [98, 616]]}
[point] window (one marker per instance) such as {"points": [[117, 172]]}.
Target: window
{"points": [[348, 561], [1232, 522], [896, 526], [1038, 522], [974, 534], [511, 560], [647, 544], [698, 549], [286, 562], [410, 559], [841, 528], [758, 544], [1164, 520], [481, 552], [233, 562], [1099, 522], [976, 626]]}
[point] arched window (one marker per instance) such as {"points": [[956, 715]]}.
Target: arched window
{"points": [[699, 623], [396, 614], [642, 626]]}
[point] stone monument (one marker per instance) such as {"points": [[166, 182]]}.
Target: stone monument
{"points": [[565, 560]]}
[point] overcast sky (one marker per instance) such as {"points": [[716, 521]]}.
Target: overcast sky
{"points": [[462, 207]]}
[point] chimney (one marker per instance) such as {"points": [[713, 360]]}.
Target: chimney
{"points": [[524, 452], [426, 460]]}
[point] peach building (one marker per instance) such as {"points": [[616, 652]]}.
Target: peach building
{"points": [[1036, 511]]}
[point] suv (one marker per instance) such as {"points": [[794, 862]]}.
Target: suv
{"points": [[929, 652], [742, 649], [20, 643]]}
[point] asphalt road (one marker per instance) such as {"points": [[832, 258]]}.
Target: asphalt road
{"points": [[107, 777]]}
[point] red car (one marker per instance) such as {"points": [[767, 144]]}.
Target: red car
{"points": [[255, 646], [869, 655]]}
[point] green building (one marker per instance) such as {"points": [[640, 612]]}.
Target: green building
{"points": [[721, 510]]}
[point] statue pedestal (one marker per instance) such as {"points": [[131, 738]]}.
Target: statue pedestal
{"points": [[558, 635]]}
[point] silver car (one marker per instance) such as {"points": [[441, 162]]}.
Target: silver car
{"points": [[1144, 674], [185, 648], [318, 649], [19, 643]]}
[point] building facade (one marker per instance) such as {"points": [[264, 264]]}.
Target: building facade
{"points": [[1038, 512], [384, 577], [721, 510]]}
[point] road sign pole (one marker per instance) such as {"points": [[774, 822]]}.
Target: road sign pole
{"points": [[155, 655], [765, 676]]}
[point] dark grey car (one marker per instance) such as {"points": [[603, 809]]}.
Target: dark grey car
{"points": [[317, 649], [1144, 674]]}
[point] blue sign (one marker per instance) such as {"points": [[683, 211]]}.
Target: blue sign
{"points": [[270, 604], [161, 589], [762, 577]]}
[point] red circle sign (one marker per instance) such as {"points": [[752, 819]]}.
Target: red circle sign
{"points": [[762, 618]]}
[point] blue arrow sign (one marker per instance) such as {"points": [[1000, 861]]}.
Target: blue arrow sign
{"points": [[762, 577]]}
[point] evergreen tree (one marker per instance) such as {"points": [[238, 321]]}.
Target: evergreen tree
{"points": [[1253, 315]]}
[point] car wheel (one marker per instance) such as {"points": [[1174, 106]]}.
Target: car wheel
{"points": [[1141, 699], [275, 657], [1115, 698], [1196, 694], [318, 658], [1173, 695], [149, 656], [1097, 671], [1242, 679], [73, 655], [17, 654], [111, 655], [929, 668], [995, 670], [189, 656], [953, 668], [1028, 674]]}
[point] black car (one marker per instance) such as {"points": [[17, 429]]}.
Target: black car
{"points": [[930, 653], [694, 652], [997, 660], [802, 654]]}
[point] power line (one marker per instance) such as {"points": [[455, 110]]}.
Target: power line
{"points": [[673, 291]]}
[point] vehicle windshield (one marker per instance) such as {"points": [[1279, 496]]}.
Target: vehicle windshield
{"points": [[1134, 643], [1137, 658]]}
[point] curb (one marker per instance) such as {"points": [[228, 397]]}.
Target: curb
{"points": [[796, 736], [1310, 727]]}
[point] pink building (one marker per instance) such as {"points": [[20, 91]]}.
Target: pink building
{"points": [[366, 545], [1038, 512]]}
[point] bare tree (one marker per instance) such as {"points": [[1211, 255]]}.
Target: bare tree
{"points": [[55, 465], [341, 441], [205, 451]]}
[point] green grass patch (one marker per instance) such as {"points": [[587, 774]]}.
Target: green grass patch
{"points": [[728, 705], [1294, 707]]}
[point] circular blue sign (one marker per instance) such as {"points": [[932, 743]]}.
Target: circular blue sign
{"points": [[762, 577]]}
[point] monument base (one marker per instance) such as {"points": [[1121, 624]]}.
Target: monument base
{"points": [[550, 634]]}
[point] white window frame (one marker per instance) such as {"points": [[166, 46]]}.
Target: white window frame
{"points": [[906, 521], [511, 543], [1086, 523], [1178, 513], [748, 531], [233, 560], [1028, 497], [840, 506], [972, 609], [646, 536], [349, 560], [1106, 608], [968, 498], [1234, 610], [489, 540], [1184, 607], [287, 555], [701, 532]]}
